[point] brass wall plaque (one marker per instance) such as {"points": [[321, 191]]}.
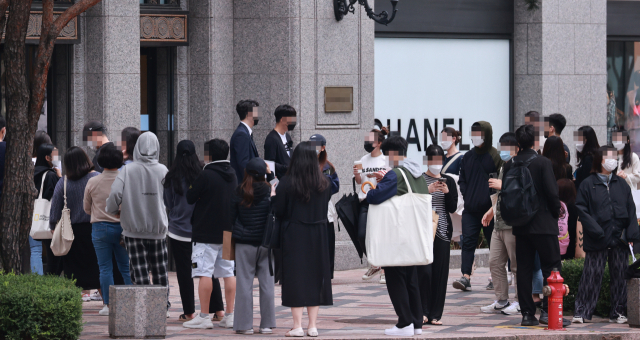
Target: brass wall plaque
{"points": [[338, 99]]}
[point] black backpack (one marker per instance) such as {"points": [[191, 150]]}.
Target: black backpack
{"points": [[518, 197]]}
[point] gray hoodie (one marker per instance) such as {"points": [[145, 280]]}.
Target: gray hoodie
{"points": [[137, 192]]}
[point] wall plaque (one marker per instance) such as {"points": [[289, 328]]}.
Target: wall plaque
{"points": [[338, 99]]}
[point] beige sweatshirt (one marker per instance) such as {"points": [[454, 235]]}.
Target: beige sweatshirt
{"points": [[95, 197]]}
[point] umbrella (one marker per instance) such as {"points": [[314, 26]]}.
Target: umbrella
{"points": [[348, 209]]}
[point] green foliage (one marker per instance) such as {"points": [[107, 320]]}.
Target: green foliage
{"points": [[532, 5], [39, 307]]}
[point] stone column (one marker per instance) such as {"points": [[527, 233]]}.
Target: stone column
{"points": [[560, 63], [286, 52]]}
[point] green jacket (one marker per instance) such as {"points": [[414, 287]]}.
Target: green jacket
{"points": [[418, 185]]}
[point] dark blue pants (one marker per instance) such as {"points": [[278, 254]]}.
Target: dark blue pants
{"points": [[471, 227]]}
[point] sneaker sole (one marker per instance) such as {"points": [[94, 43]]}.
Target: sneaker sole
{"points": [[530, 324], [505, 313], [460, 286], [198, 326]]}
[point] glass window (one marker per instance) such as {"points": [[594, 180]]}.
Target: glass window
{"points": [[623, 84]]}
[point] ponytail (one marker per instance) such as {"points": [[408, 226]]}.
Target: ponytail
{"points": [[454, 133]]}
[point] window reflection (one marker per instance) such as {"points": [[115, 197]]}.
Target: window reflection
{"points": [[623, 87]]}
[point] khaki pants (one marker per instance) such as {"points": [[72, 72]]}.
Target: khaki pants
{"points": [[503, 248]]}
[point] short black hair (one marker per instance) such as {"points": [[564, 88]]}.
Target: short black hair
{"points": [[3, 122], [434, 150], [558, 122], [284, 111], [217, 149], [533, 114], [76, 163], [508, 139], [244, 106], [91, 127], [599, 154], [476, 126], [525, 135], [110, 157], [395, 143]]}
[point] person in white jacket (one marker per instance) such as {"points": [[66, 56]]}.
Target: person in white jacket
{"points": [[629, 163]]}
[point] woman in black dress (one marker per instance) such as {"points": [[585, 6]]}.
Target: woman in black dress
{"points": [[301, 202]]}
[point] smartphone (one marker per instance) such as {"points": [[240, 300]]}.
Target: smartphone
{"points": [[493, 175], [442, 180]]}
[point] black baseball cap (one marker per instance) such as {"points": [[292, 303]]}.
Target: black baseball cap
{"points": [[318, 138], [186, 148], [256, 167]]}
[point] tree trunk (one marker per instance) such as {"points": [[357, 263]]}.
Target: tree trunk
{"points": [[18, 192]]}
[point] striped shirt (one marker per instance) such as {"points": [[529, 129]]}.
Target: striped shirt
{"points": [[437, 203]]}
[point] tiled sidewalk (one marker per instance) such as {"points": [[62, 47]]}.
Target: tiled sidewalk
{"points": [[363, 310]]}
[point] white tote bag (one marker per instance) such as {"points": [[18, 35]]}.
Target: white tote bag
{"points": [[456, 217], [40, 221], [63, 235], [400, 231]]}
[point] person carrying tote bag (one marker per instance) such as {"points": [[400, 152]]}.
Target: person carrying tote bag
{"points": [[63, 234], [40, 222]]}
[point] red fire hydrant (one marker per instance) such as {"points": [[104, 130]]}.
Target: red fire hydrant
{"points": [[556, 290]]}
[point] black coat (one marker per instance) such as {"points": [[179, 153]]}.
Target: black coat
{"points": [[474, 181], [250, 222], [584, 170], [545, 222], [274, 150], [212, 193], [450, 202], [242, 149], [50, 180], [606, 214]]}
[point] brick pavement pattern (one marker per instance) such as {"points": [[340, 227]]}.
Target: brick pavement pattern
{"points": [[362, 309]]}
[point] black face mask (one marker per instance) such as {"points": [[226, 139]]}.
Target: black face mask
{"points": [[368, 147], [290, 127], [255, 122]]}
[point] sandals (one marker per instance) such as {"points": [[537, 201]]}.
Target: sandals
{"points": [[297, 332], [425, 321], [435, 322], [184, 318]]}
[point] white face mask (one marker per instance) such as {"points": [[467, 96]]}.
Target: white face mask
{"points": [[619, 145], [542, 141], [446, 145], [579, 147], [610, 164], [435, 169], [477, 140], [57, 164]]}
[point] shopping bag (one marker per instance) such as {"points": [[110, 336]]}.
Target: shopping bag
{"points": [[400, 230], [228, 246], [63, 235], [40, 222], [579, 241]]}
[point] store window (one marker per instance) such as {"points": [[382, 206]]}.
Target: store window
{"points": [[623, 85]]}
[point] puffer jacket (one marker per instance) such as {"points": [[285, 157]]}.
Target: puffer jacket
{"points": [[607, 214], [249, 222]]}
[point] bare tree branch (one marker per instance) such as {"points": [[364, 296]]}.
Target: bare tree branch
{"points": [[72, 12]]}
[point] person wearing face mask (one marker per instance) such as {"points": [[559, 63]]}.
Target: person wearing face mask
{"points": [[503, 242], [608, 215], [94, 134], [432, 278], [628, 161], [278, 145], [586, 145], [374, 165], [46, 157], [475, 168], [242, 147], [451, 138]]}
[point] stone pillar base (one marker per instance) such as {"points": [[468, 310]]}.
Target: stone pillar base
{"points": [[138, 312], [633, 302]]}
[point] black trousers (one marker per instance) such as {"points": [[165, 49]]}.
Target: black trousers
{"points": [[404, 292], [362, 224], [331, 235], [548, 249], [277, 265], [182, 258], [53, 265], [432, 279], [471, 227]]}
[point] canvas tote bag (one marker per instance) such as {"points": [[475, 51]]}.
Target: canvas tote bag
{"points": [[400, 230], [40, 221], [63, 235]]}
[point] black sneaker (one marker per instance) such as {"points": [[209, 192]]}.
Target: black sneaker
{"points": [[544, 319], [529, 320], [489, 286], [462, 283]]}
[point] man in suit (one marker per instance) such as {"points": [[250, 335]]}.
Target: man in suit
{"points": [[243, 148], [278, 145]]}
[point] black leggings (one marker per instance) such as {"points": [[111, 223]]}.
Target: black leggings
{"points": [[432, 279]]}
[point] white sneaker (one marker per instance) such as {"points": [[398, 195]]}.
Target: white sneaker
{"points": [[417, 331], [227, 321], [96, 296], [383, 279], [513, 309], [198, 322], [495, 307], [510, 279], [406, 331], [371, 272], [168, 316], [104, 311], [266, 331], [86, 297], [619, 319], [312, 332], [577, 319], [247, 332]]}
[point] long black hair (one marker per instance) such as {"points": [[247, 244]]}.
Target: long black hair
{"points": [[44, 150], [304, 172], [76, 163], [554, 150], [591, 146], [626, 153], [186, 166]]}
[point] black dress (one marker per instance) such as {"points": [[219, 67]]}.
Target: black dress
{"points": [[306, 273]]}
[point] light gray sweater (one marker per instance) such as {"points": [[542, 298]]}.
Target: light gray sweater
{"points": [[137, 192]]}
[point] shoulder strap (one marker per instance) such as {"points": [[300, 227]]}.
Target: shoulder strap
{"points": [[406, 181], [44, 175], [65, 192], [455, 157]]}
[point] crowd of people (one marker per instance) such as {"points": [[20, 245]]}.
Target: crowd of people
{"points": [[125, 206]]}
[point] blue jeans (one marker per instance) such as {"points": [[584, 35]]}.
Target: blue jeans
{"points": [[537, 276], [36, 256], [106, 241]]}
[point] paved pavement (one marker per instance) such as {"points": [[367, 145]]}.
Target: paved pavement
{"points": [[362, 310]]}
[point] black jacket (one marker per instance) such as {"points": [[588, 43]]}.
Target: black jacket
{"points": [[584, 170], [212, 193], [242, 148], [250, 222], [606, 214], [545, 222], [50, 180], [450, 202], [274, 150]]}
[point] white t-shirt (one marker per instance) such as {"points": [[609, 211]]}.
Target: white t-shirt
{"points": [[284, 141], [370, 165]]}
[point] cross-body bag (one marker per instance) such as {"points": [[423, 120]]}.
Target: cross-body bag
{"points": [[272, 238], [40, 222], [451, 162], [63, 235]]}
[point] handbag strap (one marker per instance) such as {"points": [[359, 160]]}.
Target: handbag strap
{"points": [[44, 175], [406, 181], [456, 156], [65, 192]]}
